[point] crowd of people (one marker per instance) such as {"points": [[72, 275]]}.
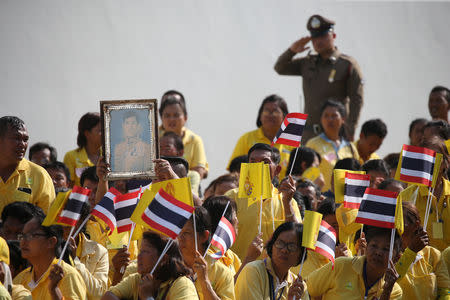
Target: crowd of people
{"points": [[264, 261]]}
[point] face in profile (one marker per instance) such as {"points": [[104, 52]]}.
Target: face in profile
{"points": [[131, 127]]}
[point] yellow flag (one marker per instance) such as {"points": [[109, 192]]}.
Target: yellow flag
{"points": [[254, 182], [437, 168], [55, 208], [311, 226], [117, 240], [399, 216], [339, 183], [178, 188]]}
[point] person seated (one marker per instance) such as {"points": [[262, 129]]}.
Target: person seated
{"points": [[310, 190], [14, 216], [371, 276], [271, 278], [42, 154], [281, 207], [350, 164], [392, 161], [392, 185], [378, 170], [212, 279], [371, 137], [306, 158], [439, 103], [332, 143], [221, 185], [60, 175], [271, 114], [437, 128], [46, 279], [235, 164], [216, 206], [170, 279], [89, 141], [173, 115], [20, 179], [416, 131], [423, 273], [16, 262]]}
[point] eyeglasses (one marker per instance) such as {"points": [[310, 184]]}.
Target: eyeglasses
{"points": [[291, 247], [29, 236]]}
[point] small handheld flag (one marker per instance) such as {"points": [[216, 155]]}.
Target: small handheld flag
{"points": [[339, 183], [71, 211], [124, 207], [223, 238], [291, 130], [377, 208], [254, 182], [105, 210], [355, 185], [311, 226], [326, 241]]}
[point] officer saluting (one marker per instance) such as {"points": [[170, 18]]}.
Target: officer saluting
{"points": [[327, 74]]}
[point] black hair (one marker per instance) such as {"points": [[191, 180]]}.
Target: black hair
{"points": [[327, 207], [275, 153], [440, 88], [90, 174], [22, 211], [350, 164], [235, 164], [84, 213], [10, 122], [51, 231], [231, 177], [377, 165], [202, 223], [42, 146], [305, 183], [392, 160], [172, 92], [303, 202], [272, 99], [389, 181], [304, 154], [87, 122], [130, 114], [175, 162], [374, 127], [414, 123], [172, 100], [60, 166], [16, 261], [287, 226], [442, 128], [372, 232], [176, 139], [342, 111], [215, 206]]}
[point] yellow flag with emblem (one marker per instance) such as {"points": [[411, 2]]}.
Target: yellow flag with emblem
{"points": [[339, 183], [254, 182], [311, 226], [55, 208], [399, 216], [178, 188]]}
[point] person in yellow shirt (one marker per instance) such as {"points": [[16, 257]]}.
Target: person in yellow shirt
{"points": [[446, 258], [371, 137], [89, 141], [173, 115], [270, 278], [306, 159], [281, 207], [41, 246], [332, 143], [213, 280], [370, 276], [169, 280], [271, 114], [423, 272], [20, 179]]}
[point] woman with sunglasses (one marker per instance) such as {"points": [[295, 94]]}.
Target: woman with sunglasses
{"points": [[270, 279], [46, 279]]}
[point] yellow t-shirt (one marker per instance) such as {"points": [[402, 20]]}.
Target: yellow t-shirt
{"points": [[427, 277], [371, 156], [28, 183], [221, 280], [253, 282], [181, 288], [313, 262], [345, 281], [330, 154], [250, 138], [248, 217], [77, 161], [71, 285]]}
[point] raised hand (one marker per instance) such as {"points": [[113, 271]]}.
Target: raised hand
{"points": [[299, 46]]}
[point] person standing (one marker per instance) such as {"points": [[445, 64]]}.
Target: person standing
{"points": [[327, 74]]}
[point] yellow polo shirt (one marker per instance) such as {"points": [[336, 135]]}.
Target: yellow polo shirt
{"points": [[443, 209], [71, 285], [77, 161], [221, 280], [28, 183], [232, 261], [181, 288], [426, 275], [253, 282], [371, 156], [248, 217], [330, 155], [313, 262], [250, 138], [345, 281]]}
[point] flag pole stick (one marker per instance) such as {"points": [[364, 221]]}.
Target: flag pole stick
{"points": [[66, 244], [301, 264], [122, 269], [391, 246], [428, 208], [260, 215], [273, 218], [293, 162], [223, 214], [166, 248], [195, 231], [82, 225]]}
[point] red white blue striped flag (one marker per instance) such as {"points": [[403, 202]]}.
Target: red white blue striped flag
{"points": [[223, 238], [377, 208], [354, 188], [417, 165], [105, 210], [326, 241], [291, 130], [71, 211], [124, 207]]}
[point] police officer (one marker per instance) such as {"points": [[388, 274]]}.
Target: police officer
{"points": [[327, 74]]}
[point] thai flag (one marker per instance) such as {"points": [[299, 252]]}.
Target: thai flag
{"points": [[326, 241], [355, 186], [291, 130], [124, 207], [105, 210], [71, 211], [167, 214], [223, 238], [417, 165], [377, 208]]}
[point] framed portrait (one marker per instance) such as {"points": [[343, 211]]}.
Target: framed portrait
{"points": [[130, 138]]}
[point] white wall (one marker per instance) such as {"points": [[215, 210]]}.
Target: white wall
{"points": [[59, 58]]}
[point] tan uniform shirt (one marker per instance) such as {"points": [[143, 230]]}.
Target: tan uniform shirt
{"points": [[338, 78]]}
